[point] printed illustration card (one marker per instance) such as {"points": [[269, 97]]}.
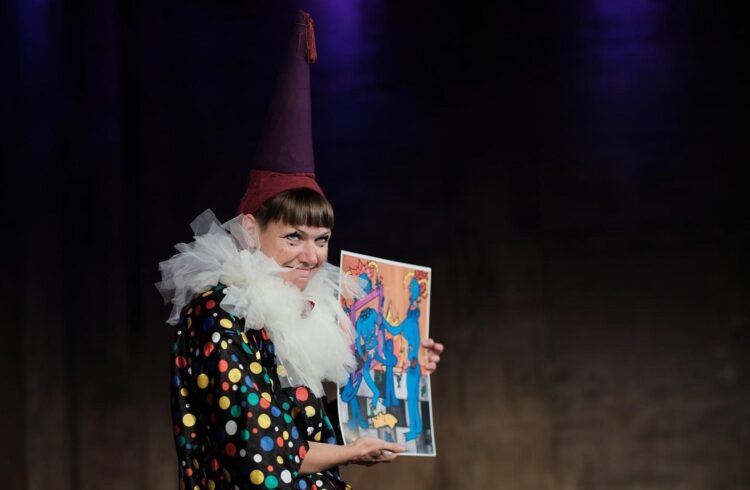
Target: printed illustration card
{"points": [[388, 396]]}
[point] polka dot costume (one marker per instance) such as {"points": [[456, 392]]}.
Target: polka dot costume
{"points": [[235, 427]]}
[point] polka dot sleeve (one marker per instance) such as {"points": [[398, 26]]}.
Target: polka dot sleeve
{"points": [[254, 423], [234, 425]]}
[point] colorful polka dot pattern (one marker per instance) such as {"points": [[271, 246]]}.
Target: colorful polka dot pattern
{"points": [[235, 427]]}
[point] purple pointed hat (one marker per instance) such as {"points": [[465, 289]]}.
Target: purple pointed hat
{"points": [[284, 159]]}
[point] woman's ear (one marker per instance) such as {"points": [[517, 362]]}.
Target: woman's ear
{"points": [[249, 218], [252, 231]]}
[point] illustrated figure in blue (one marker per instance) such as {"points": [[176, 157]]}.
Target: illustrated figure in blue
{"points": [[389, 360], [349, 396], [409, 329], [367, 334]]}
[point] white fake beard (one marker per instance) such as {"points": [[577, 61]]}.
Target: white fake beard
{"points": [[312, 344]]}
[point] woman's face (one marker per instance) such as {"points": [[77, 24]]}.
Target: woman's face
{"points": [[301, 249]]}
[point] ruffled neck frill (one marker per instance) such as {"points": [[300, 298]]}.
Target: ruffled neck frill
{"points": [[312, 344]]}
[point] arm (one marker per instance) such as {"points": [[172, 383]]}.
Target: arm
{"points": [[365, 450], [235, 405], [393, 330], [358, 342], [251, 417], [188, 434]]}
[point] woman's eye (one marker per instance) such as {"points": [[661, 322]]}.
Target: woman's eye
{"points": [[292, 237], [323, 240]]}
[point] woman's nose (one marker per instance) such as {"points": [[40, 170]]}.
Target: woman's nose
{"points": [[307, 255]]}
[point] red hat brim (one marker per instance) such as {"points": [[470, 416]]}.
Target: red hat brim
{"points": [[264, 184]]}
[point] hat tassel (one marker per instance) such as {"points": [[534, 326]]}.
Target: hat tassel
{"points": [[311, 52]]}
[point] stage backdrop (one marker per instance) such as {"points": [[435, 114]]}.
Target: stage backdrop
{"points": [[571, 174]]}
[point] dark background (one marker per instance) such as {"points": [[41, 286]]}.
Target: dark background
{"points": [[571, 171]]}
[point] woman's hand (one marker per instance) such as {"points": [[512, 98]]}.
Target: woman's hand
{"points": [[369, 451], [434, 349]]}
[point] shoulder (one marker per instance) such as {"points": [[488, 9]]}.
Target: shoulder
{"points": [[204, 313]]}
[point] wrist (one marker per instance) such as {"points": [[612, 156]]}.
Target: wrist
{"points": [[348, 454]]}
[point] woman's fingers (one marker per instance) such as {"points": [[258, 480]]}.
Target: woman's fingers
{"points": [[430, 343], [394, 447], [433, 354], [433, 346], [390, 451]]}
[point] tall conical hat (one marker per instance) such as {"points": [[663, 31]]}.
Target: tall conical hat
{"points": [[284, 159]]}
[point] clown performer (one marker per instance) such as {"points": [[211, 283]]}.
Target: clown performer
{"points": [[258, 326]]}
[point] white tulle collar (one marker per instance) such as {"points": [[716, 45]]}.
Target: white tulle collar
{"points": [[313, 344]]}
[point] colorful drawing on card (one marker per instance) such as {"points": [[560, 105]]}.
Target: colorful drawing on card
{"points": [[388, 396]]}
